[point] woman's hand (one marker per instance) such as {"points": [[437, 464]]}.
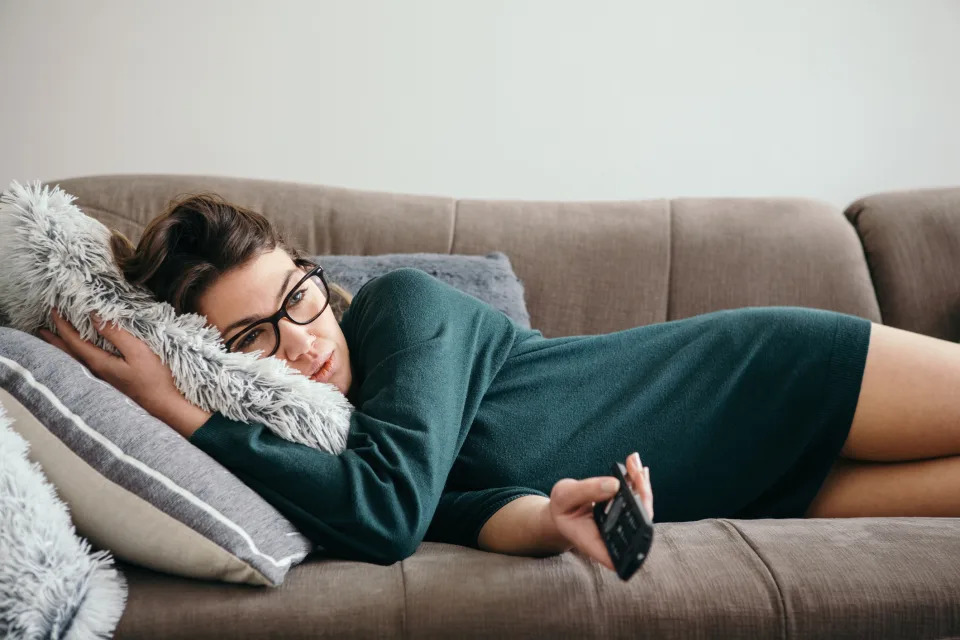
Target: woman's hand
{"points": [[571, 507], [138, 372]]}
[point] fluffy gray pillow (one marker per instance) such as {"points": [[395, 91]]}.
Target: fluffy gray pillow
{"points": [[55, 256], [51, 585], [489, 278]]}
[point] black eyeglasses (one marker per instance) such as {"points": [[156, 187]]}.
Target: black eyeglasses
{"points": [[304, 304]]}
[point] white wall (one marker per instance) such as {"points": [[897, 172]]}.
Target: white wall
{"points": [[513, 99]]}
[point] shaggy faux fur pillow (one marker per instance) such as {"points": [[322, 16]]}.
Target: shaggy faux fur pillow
{"points": [[56, 256], [52, 584]]}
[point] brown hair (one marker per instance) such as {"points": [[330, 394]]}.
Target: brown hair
{"points": [[195, 240]]}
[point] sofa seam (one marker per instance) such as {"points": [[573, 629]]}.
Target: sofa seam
{"points": [[404, 631], [667, 315], [453, 227], [869, 262], [773, 577]]}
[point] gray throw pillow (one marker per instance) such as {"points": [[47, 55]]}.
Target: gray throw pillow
{"points": [[133, 485], [489, 277]]}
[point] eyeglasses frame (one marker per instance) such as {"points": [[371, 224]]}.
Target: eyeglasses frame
{"points": [[281, 313]]}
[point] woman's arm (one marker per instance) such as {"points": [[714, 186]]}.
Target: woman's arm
{"points": [[533, 525], [523, 527]]}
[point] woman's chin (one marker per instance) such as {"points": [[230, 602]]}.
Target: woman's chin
{"points": [[335, 382]]}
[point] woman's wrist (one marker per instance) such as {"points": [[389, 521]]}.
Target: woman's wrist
{"points": [[523, 526], [183, 417], [549, 533]]}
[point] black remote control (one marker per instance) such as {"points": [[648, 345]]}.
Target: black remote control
{"points": [[624, 526]]}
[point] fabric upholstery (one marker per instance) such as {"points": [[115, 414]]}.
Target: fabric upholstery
{"points": [[911, 240], [587, 267], [714, 578]]}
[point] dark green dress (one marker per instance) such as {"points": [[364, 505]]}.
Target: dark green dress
{"points": [[738, 413]]}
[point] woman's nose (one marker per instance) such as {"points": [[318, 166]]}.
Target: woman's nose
{"points": [[295, 339]]}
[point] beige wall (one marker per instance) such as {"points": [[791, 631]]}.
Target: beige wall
{"points": [[528, 99]]}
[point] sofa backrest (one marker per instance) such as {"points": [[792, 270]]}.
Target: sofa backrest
{"points": [[587, 267]]}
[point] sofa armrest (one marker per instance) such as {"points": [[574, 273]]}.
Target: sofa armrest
{"points": [[911, 240]]}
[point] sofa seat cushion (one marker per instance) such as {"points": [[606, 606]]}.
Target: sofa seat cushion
{"points": [[793, 578]]}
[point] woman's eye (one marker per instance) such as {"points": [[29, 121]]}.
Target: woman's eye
{"points": [[249, 339], [294, 300]]}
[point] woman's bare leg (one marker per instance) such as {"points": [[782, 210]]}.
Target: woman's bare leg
{"points": [[854, 489], [902, 456], [909, 406]]}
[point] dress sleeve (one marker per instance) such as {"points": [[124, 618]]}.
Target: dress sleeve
{"points": [[423, 353], [461, 514]]}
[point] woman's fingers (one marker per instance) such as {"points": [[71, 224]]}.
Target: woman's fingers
{"points": [[571, 495], [68, 335], [635, 471], [126, 343], [88, 353], [649, 504], [55, 340], [640, 479], [638, 476]]}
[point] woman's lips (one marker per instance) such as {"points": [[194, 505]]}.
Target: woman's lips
{"points": [[324, 373]]}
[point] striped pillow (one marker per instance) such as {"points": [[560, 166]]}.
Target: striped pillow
{"points": [[133, 485]]}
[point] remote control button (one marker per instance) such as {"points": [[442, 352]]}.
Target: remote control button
{"points": [[612, 516]]}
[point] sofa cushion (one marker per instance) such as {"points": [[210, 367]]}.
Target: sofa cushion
{"points": [[711, 578], [133, 485]]}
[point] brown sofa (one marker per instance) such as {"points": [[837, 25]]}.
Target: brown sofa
{"points": [[591, 267]]}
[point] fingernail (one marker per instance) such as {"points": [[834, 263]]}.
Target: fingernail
{"points": [[636, 458], [610, 485]]}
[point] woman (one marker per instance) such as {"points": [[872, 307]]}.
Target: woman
{"points": [[465, 422]]}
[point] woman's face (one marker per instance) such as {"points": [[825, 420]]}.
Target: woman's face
{"points": [[255, 290]]}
